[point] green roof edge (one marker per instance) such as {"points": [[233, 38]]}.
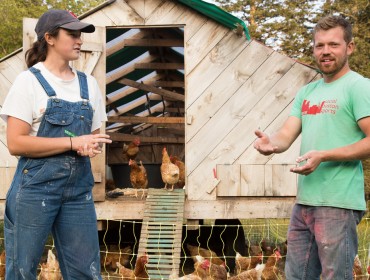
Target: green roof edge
{"points": [[212, 11]]}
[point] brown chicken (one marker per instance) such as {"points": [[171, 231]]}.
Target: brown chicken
{"points": [[181, 165], [110, 258], [251, 274], [217, 272], [50, 270], [271, 270], [201, 270], [170, 172], [131, 150], [2, 264], [246, 263], [138, 177], [139, 271], [205, 253], [357, 268]]}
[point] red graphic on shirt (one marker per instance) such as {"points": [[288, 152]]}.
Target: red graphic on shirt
{"points": [[311, 110], [324, 107]]}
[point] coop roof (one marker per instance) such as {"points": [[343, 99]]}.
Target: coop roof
{"points": [[217, 14]]}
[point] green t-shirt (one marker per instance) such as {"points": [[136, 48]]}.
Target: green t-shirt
{"points": [[329, 113]]}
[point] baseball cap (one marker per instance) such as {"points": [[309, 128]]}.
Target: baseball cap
{"points": [[53, 19]]}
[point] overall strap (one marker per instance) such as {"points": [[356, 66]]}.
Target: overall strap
{"points": [[84, 92], [47, 87]]}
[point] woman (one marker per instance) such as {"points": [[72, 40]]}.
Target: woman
{"points": [[53, 115]]}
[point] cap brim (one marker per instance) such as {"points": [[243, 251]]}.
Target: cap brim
{"points": [[78, 25]]}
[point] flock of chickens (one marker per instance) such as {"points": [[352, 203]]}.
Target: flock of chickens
{"points": [[172, 169]]}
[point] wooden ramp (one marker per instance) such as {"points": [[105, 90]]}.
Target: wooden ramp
{"points": [[161, 232]]}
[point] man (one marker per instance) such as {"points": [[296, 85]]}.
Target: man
{"points": [[333, 116]]}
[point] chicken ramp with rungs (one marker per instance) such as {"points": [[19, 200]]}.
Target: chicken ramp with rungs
{"points": [[161, 232]]}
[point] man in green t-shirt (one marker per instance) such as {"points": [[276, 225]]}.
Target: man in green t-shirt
{"points": [[333, 117]]}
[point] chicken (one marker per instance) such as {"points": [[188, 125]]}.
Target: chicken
{"points": [[205, 253], [50, 270], [271, 271], [139, 271], [2, 264], [181, 165], [131, 150], [217, 272], [170, 172], [201, 270], [246, 263], [251, 274], [138, 177], [109, 259], [357, 268]]}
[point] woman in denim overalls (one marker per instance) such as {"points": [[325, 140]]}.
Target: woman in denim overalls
{"points": [[52, 187]]}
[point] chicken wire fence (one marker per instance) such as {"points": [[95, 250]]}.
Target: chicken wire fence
{"points": [[120, 240]]}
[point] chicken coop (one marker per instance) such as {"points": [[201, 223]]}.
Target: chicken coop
{"points": [[185, 75]]}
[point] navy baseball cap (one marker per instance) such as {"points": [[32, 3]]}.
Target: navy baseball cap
{"points": [[53, 19]]}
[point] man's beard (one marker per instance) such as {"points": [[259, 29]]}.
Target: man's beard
{"points": [[333, 69]]}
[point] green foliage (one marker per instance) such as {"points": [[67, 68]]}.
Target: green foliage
{"points": [[287, 25], [12, 12]]}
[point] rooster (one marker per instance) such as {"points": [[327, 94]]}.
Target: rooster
{"points": [[170, 172], [131, 150], [205, 253], [139, 271], [181, 165], [246, 263], [50, 270], [138, 176]]}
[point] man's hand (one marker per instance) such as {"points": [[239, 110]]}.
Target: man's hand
{"points": [[263, 144], [307, 163]]}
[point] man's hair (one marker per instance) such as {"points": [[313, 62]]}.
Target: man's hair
{"points": [[330, 22]]}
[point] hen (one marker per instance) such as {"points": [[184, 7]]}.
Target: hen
{"points": [[139, 271], [201, 270], [50, 270], [109, 259], [251, 274], [170, 172], [271, 270], [357, 268], [2, 264], [217, 272], [131, 150], [205, 253], [181, 165], [138, 177], [246, 263]]}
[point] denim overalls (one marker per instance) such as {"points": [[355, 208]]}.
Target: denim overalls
{"points": [[54, 194]]}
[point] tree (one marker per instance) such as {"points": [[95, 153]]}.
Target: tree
{"points": [[12, 14], [287, 25]]}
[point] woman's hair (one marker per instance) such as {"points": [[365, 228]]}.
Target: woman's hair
{"points": [[330, 22], [39, 50]]}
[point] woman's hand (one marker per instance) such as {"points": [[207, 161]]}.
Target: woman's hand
{"points": [[90, 145]]}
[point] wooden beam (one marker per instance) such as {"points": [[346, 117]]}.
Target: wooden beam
{"points": [[148, 88], [154, 42], [121, 137], [152, 120], [115, 75], [179, 84], [159, 65]]}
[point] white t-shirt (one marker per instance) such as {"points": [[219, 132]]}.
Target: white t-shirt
{"points": [[27, 99]]}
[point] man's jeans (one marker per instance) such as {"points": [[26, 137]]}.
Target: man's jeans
{"points": [[321, 241]]}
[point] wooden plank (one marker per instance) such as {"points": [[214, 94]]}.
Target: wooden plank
{"points": [[8, 71], [201, 44], [166, 13], [128, 137], [29, 34], [144, 7], [121, 13], [229, 176], [162, 92], [160, 65], [168, 42], [5, 86], [171, 84], [234, 110], [6, 175], [252, 181], [235, 67], [152, 120]]}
